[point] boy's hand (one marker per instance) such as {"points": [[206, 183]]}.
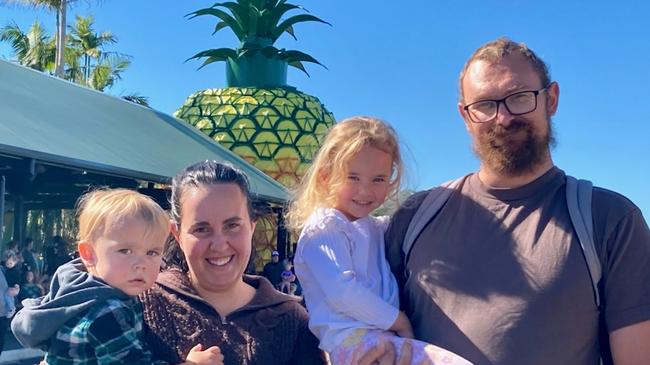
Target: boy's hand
{"points": [[210, 356]]}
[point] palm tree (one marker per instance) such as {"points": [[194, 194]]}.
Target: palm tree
{"points": [[88, 45], [34, 49], [108, 70], [90, 64], [60, 7]]}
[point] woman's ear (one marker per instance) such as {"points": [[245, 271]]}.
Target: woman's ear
{"points": [[173, 227], [87, 253]]}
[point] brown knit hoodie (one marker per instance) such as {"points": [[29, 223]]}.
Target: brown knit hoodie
{"points": [[271, 329]]}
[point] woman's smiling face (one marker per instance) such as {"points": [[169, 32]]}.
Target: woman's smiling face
{"points": [[215, 234]]}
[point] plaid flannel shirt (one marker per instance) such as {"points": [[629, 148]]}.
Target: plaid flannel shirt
{"points": [[109, 333]]}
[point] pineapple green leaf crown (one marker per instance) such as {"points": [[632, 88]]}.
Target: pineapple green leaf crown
{"points": [[257, 24]]}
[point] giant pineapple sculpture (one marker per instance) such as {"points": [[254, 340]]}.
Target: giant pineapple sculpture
{"points": [[258, 116]]}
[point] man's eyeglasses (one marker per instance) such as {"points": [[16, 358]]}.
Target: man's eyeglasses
{"points": [[519, 103]]}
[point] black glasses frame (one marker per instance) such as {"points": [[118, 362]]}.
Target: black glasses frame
{"points": [[503, 101]]}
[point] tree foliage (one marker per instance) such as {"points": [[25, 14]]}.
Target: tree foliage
{"points": [[87, 60]]}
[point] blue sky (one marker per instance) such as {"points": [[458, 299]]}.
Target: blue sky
{"points": [[400, 61]]}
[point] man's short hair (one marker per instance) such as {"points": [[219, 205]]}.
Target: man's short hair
{"points": [[494, 51]]}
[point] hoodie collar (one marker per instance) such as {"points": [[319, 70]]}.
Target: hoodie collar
{"points": [[265, 295]]}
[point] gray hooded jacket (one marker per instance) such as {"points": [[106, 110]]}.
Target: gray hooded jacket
{"points": [[72, 291]]}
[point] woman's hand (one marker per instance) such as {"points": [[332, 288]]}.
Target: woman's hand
{"points": [[210, 356], [13, 291]]}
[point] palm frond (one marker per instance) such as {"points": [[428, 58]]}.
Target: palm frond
{"points": [[137, 99]]}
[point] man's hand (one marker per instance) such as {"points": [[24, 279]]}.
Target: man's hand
{"points": [[384, 354], [402, 326]]}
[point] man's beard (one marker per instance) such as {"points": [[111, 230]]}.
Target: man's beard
{"points": [[502, 150]]}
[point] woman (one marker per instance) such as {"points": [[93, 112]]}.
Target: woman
{"points": [[204, 297], [7, 305]]}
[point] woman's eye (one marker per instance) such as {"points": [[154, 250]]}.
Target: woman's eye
{"points": [[353, 178], [200, 230], [379, 180], [153, 253], [232, 226], [125, 251]]}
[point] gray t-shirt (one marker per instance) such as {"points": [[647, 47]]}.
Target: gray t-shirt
{"points": [[498, 275]]}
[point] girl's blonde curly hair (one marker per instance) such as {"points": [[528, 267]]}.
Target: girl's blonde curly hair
{"points": [[322, 181]]}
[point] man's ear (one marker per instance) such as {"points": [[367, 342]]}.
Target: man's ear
{"points": [[553, 98], [87, 253], [463, 114]]}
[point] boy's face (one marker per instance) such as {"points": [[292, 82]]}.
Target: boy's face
{"points": [[125, 255]]}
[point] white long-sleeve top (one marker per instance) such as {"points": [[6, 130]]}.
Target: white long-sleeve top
{"points": [[345, 277]]}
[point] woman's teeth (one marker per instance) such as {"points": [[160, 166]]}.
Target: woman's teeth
{"points": [[220, 261]]}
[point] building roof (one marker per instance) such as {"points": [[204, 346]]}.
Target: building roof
{"points": [[57, 122]]}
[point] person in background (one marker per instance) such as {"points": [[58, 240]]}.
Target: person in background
{"points": [[29, 288], [288, 278], [273, 270], [12, 275], [10, 247], [6, 291], [29, 258]]}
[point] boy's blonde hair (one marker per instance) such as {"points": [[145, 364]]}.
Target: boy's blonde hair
{"points": [[99, 208], [322, 181]]}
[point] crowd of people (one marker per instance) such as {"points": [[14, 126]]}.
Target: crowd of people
{"points": [[24, 275], [492, 268]]}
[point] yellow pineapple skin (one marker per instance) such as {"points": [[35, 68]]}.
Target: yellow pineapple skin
{"points": [[277, 130]]}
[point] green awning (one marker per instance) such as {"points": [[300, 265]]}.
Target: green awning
{"points": [[58, 122]]}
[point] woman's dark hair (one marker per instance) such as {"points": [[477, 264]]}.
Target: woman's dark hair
{"points": [[194, 176]]}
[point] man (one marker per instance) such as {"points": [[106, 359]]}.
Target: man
{"points": [[273, 269], [498, 275], [29, 258]]}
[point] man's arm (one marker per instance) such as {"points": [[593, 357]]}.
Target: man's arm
{"points": [[631, 345]]}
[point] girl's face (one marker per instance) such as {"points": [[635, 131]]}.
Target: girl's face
{"points": [[215, 235], [29, 277], [367, 183], [10, 263]]}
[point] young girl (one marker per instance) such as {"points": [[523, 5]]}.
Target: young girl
{"points": [[30, 288], [349, 290], [288, 278]]}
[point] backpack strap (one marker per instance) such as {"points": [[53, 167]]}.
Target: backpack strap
{"points": [[432, 203], [578, 197]]}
